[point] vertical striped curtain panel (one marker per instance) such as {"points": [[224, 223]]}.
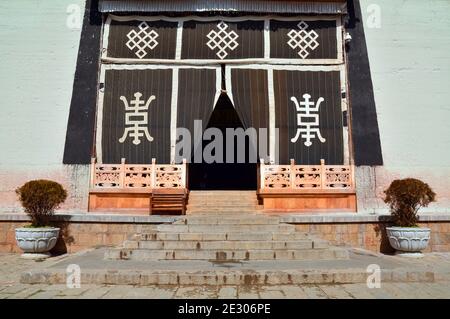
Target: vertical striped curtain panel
{"points": [[284, 74]]}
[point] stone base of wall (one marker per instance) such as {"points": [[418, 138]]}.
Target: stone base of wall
{"points": [[75, 237], [372, 236], [88, 231]]}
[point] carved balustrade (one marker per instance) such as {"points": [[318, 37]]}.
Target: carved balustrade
{"points": [[137, 176], [306, 177]]}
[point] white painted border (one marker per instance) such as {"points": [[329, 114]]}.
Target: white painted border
{"points": [[218, 85], [272, 115], [272, 126], [228, 85], [220, 17], [179, 40], [266, 59], [267, 39], [99, 123], [174, 99], [105, 39], [154, 66], [173, 115]]}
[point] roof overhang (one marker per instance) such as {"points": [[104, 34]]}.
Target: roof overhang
{"points": [[255, 6]]}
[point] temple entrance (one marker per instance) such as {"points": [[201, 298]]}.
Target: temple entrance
{"points": [[224, 176]]}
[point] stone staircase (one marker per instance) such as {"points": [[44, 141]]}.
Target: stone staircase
{"points": [[225, 238], [226, 202]]}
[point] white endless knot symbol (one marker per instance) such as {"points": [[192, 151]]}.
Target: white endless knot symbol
{"points": [[136, 117], [142, 39], [307, 122], [303, 40], [222, 40]]}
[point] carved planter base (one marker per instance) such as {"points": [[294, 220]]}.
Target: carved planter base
{"points": [[408, 239], [36, 242]]}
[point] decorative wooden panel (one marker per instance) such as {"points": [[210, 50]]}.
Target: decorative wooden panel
{"points": [[306, 177], [133, 176]]}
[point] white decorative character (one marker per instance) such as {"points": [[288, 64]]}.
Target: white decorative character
{"points": [[307, 122], [137, 118]]}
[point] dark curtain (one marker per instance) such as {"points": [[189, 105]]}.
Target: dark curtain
{"points": [[289, 84], [196, 92], [250, 97], [249, 41], [156, 38], [127, 83], [325, 48]]}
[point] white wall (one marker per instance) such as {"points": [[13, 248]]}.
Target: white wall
{"points": [[410, 63], [37, 65]]}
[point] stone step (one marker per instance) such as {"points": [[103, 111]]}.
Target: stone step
{"points": [[228, 245], [191, 276], [222, 196], [224, 204], [223, 193], [223, 228], [224, 255], [223, 208], [227, 198], [206, 211], [234, 220], [210, 236]]}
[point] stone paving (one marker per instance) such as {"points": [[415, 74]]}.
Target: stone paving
{"points": [[11, 267]]}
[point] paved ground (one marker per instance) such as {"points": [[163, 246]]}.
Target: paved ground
{"points": [[347, 291], [11, 266]]}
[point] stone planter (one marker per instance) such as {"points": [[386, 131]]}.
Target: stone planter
{"points": [[408, 239], [36, 242]]}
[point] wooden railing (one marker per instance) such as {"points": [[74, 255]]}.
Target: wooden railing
{"points": [[137, 176], [306, 177]]}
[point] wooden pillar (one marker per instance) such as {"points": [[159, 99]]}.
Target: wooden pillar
{"points": [[153, 173], [292, 175], [352, 176], [261, 173], [122, 173], [92, 177], [323, 177], [183, 174]]}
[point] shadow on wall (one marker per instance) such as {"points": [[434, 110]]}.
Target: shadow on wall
{"points": [[65, 238], [380, 231]]}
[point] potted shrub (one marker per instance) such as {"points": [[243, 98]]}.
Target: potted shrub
{"points": [[39, 198], [405, 197]]}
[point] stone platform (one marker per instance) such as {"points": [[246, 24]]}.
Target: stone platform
{"points": [[223, 238], [99, 271], [221, 250]]}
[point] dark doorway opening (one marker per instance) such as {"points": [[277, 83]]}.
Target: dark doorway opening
{"points": [[224, 176]]}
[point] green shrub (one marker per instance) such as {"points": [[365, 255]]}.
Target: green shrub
{"points": [[405, 197], [40, 198]]}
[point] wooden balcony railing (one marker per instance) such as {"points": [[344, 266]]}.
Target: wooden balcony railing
{"points": [[137, 176], [306, 177]]}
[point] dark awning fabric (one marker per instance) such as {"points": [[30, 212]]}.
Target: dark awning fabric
{"points": [[131, 85], [292, 84], [223, 40], [200, 40], [257, 6], [130, 40], [250, 97], [319, 40]]}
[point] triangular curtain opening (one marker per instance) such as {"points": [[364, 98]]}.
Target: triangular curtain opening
{"points": [[217, 175]]}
